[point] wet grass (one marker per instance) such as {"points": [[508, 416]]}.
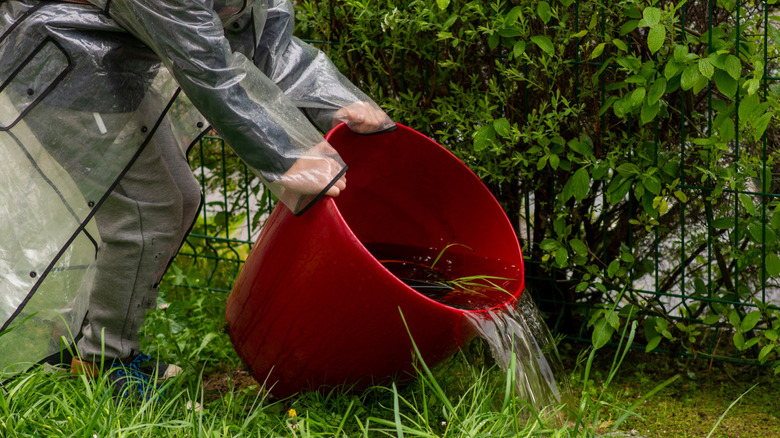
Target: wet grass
{"points": [[616, 393], [717, 399], [461, 398]]}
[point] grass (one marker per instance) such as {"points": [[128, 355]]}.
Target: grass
{"points": [[695, 403], [617, 391]]}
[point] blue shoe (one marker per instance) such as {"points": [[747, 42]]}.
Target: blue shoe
{"points": [[156, 369], [138, 379]]}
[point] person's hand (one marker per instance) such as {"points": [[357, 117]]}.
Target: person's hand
{"points": [[363, 118], [312, 172]]}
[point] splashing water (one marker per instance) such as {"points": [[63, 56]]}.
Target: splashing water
{"points": [[520, 332], [513, 332]]}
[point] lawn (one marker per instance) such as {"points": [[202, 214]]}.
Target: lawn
{"points": [[614, 394]]}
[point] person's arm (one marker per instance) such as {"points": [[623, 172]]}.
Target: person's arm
{"points": [[310, 79], [248, 109]]}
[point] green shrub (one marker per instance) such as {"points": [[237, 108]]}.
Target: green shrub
{"points": [[630, 143]]}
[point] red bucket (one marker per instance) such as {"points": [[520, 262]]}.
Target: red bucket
{"points": [[316, 303]]}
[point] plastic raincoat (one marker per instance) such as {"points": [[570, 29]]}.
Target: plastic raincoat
{"points": [[83, 87]]}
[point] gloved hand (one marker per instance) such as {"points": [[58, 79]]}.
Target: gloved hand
{"points": [[363, 118], [311, 172]]}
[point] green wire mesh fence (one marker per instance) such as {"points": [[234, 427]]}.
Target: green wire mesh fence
{"points": [[632, 144], [230, 219]]}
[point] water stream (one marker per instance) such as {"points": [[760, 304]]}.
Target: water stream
{"points": [[520, 332], [513, 331]]}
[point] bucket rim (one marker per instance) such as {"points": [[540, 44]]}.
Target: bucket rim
{"points": [[515, 295]]}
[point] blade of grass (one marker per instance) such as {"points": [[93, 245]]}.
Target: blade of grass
{"points": [[633, 407], [399, 431], [723, 415], [430, 377]]}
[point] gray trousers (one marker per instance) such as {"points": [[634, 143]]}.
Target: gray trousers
{"points": [[142, 224]]}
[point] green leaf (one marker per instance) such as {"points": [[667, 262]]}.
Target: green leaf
{"points": [[493, 40], [656, 90], [618, 189], [554, 161], [649, 111], [581, 147], [502, 127], [723, 223], [725, 83], [750, 321], [760, 126], [628, 27], [746, 107], [733, 66], [656, 37], [628, 169], [706, 68], [762, 356], [651, 16], [672, 68], [602, 332], [484, 137], [739, 340], [548, 245], [752, 85], [519, 48], [751, 342], [513, 15], [727, 131], [772, 264], [747, 202], [620, 45], [561, 256], [652, 344], [544, 43], [597, 51], [510, 32], [652, 185], [756, 232], [450, 21], [544, 11], [734, 318], [681, 54], [638, 96], [613, 267], [612, 319], [578, 246], [775, 221], [581, 183], [774, 34], [700, 84], [771, 334], [700, 289], [689, 77], [443, 3], [711, 320]]}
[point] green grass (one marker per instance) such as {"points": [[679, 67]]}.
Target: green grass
{"points": [[694, 404], [466, 396]]}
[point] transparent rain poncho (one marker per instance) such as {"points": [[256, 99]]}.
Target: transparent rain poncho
{"points": [[84, 87]]}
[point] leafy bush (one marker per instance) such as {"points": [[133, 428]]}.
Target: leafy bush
{"points": [[631, 144]]}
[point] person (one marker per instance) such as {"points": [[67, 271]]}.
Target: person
{"points": [[100, 101]]}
